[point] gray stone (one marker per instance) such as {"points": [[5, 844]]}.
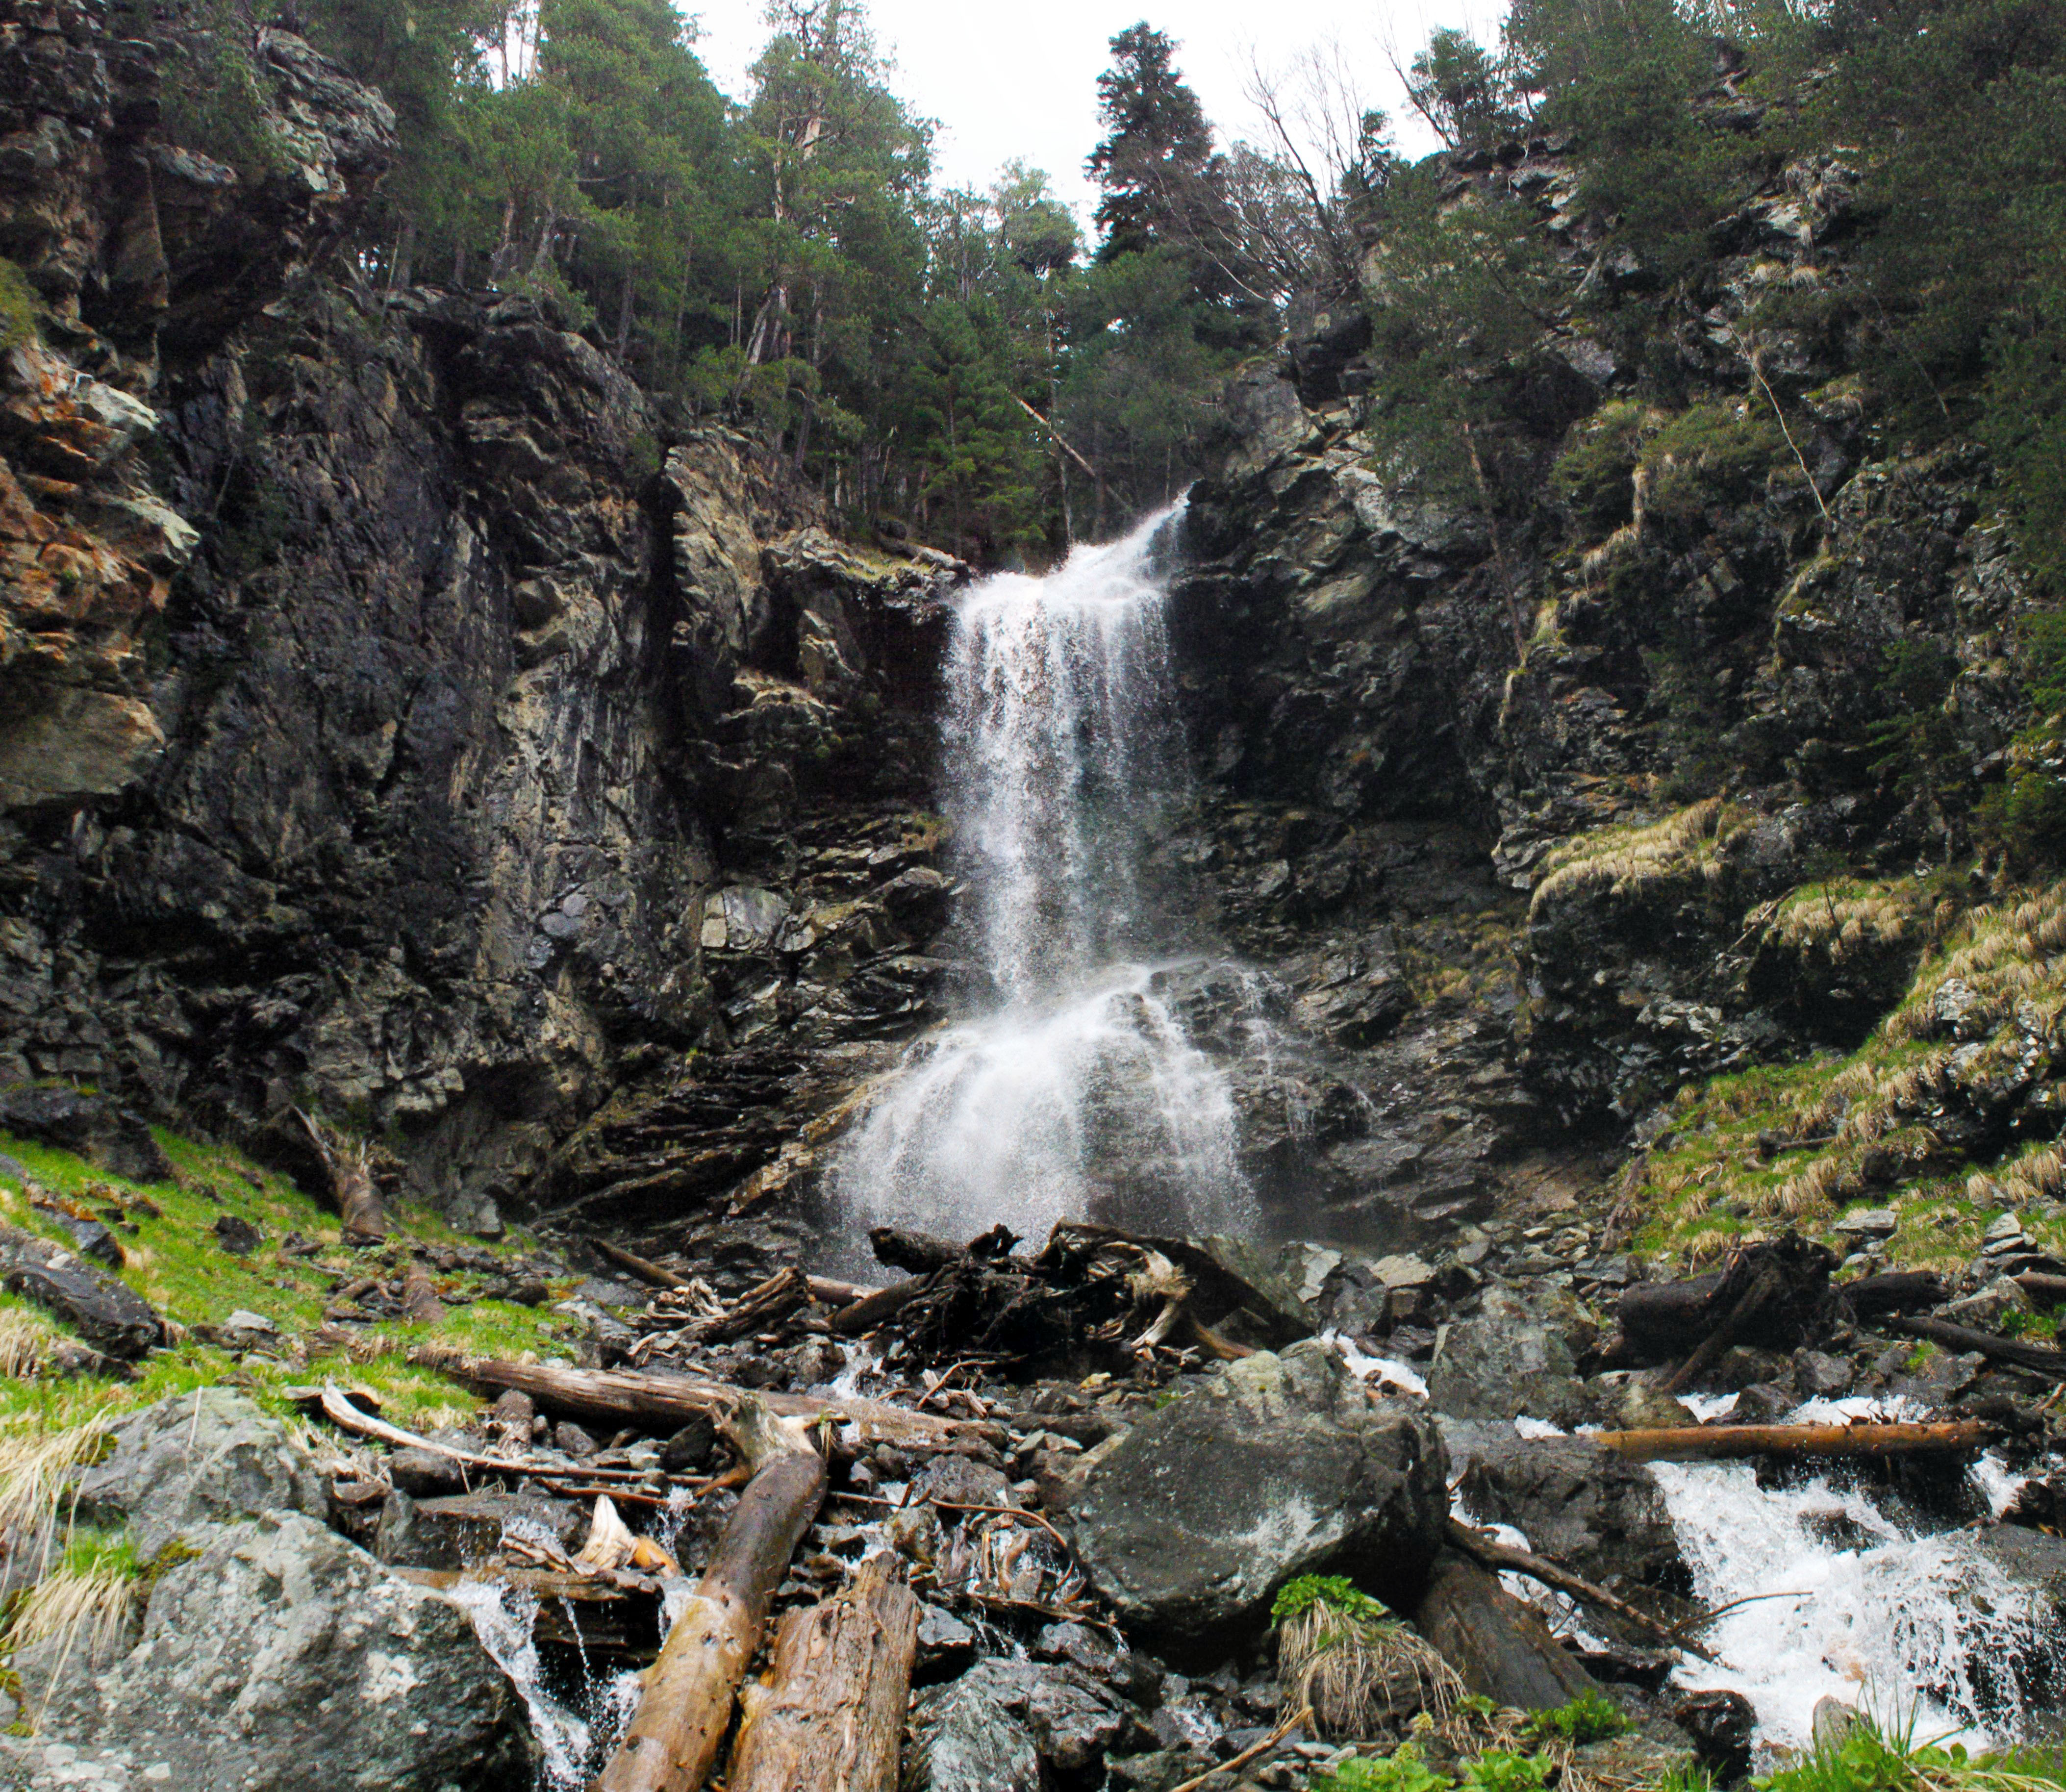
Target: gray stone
{"points": [[1578, 1503], [1507, 1362], [108, 1313], [962, 1481], [183, 1469], [284, 1657], [406, 1539], [971, 1736], [1875, 1222], [1816, 1374], [1280, 1466]]}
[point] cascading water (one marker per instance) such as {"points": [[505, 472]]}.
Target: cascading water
{"points": [[1077, 1091]]}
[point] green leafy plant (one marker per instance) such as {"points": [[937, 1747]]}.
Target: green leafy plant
{"points": [[1403, 1771], [19, 307], [1297, 1597], [1506, 1770], [1591, 1717]]}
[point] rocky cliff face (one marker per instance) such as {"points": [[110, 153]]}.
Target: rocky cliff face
{"points": [[390, 721], [1465, 776]]}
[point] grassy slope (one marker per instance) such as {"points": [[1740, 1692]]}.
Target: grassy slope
{"points": [[175, 1263]]}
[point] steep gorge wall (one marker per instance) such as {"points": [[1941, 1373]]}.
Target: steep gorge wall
{"points": [[1509, 813], [392, 719]]}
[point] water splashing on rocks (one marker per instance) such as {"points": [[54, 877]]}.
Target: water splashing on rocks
{"points": [[1077, 1090]]}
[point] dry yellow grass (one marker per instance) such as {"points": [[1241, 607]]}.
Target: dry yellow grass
{"points": [[1629, 860]]}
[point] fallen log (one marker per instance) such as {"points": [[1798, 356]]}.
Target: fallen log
{"points": [[915, 1253], [686, 1709], [1494, 1554], [2006, 1350], [831, 1718], [2046, 1290], [656, 1399], [1714, 1443], [1497, 1643], [351, 1174], [760, 1306], [878, 1307]]}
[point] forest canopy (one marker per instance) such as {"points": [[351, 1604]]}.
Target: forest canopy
{"points": [[785, 258]]}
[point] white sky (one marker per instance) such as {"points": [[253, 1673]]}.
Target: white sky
{"points": [[1018, 78]]}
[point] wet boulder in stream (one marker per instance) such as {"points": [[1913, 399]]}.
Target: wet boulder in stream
{"points": [[1280, 1466]]}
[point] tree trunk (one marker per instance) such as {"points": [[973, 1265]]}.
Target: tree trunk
{"points": [[1768, 1287], [1500, 1645], [1896, 1291], [358, 1202], [2004, 1350], [1717, 1443], [919, 1253], [686, 1709], [621, 1396], [833, 1718]]}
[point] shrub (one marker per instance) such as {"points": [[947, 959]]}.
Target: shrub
{"points": [[1590, 1717], [1709, 455]]}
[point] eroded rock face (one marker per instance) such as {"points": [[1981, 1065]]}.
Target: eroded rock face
{"points": [[280, 1646], [1281, 1466]]}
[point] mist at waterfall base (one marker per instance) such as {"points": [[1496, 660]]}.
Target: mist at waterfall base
{"points": [[1073, 1090]]}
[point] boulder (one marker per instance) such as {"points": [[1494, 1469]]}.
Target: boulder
{"points": [[992, 1730], [109, 1314], [182, 1469], [1282, 1465], [1508, 1362], [1599, 1515], [93, 1127], [279, 1647]]}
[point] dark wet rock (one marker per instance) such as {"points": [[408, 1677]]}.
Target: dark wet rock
{"points": [[426, 1474], [404, 1538], [945, 1645], [237, 1234], [1498, 1644], [193, 1463], [2032, 1559], [1509, 1360], [1280, 1465], [95, 1127], [1578, 1504], [971, 1735], [1723, 1724], [570, 1440], [109, 1314], [281, 1645], [962, 1481], [689, 1449], [473, 1524]]}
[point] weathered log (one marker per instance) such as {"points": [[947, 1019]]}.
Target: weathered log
{"points": [[878, 1307], [829, 1292], [2047, 1290], [1494, 1554], [358, 1202], [915, 1253], [1499, 1645], [831, 1719], [1711, 1443], [1898, 1291], [648, 1272], [2005, 1350], [686, 1709], [651, 1398]]}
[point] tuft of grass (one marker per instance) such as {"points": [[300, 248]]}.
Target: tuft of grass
{"points": [[1342, 1653], [1871, 1757], [1684, 849]]}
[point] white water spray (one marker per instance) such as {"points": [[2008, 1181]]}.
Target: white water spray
{"points": [[1078, 1092]]}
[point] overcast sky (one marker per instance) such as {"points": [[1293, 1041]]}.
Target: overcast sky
{"points": [[1018, 78]]}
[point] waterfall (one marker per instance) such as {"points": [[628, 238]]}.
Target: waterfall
{"points": [[1074, 1090]]}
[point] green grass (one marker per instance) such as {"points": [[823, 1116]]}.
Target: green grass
{"points": [[1873, 1757], [1590, 1717], [175, 1263], [1799, 1145]]}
